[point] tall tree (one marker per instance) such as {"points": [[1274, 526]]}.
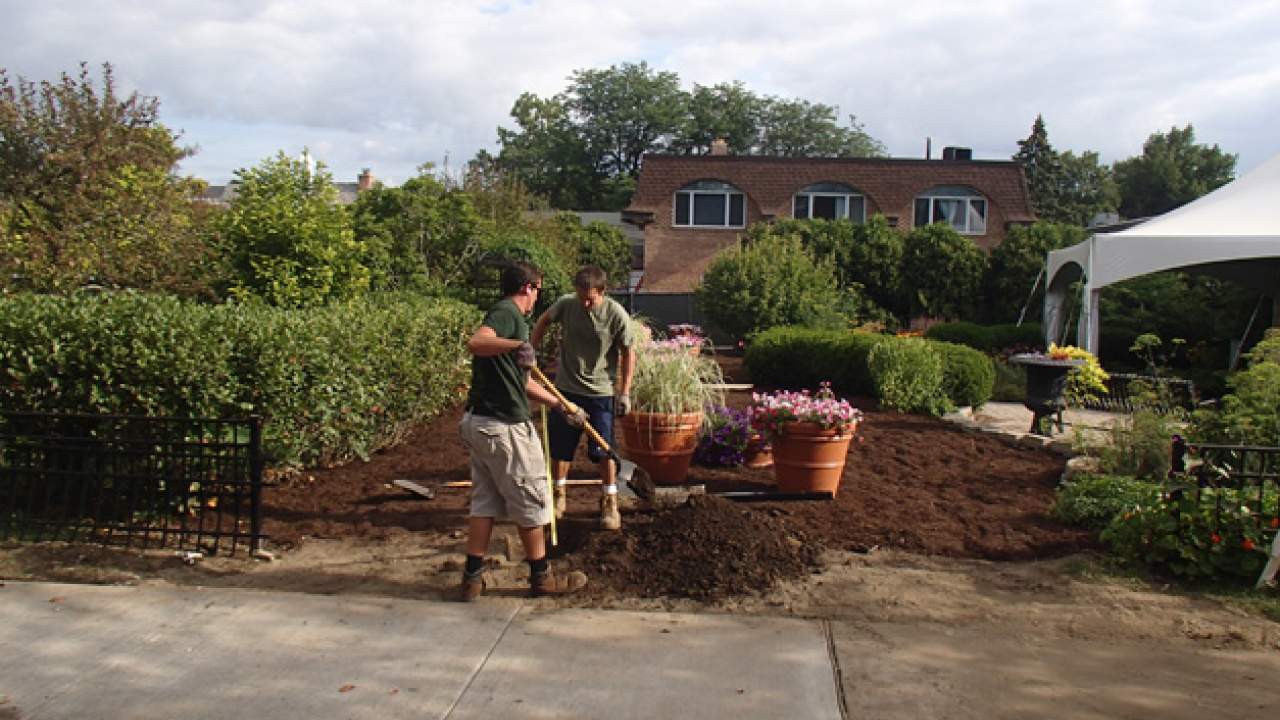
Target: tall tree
{"points": [[799, 128], [1043, 169], [728, 111], [625, 111], [1171, 171], [549, 154], [288, 240], [88, 190], [1088, 189]]}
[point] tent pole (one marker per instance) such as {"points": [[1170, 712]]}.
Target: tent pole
{"points": [[1030, 295], [1235, 356]]}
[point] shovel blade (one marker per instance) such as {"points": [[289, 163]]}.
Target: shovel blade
{"points": [[633, 476]]}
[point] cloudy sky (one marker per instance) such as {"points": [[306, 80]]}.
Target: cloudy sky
{"points": [[391, 84]]}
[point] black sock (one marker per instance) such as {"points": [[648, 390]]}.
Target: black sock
{"points": [[538, 567], [475, 563]]}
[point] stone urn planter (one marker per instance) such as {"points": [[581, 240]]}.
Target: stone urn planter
{"points": [[661, 443], [1046, 387], [807, 458]]}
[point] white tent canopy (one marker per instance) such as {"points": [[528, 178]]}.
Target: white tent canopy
{"points": [[1233, 233]]}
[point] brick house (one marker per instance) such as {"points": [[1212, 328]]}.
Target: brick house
{"points": [[692, 207]]}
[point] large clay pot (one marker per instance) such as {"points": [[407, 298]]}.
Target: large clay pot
{"points": [[759, 454], [807, 458], [661, 444]]}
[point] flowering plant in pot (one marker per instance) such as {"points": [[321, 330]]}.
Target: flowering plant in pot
{"points": [[810, 434], [684, 336], [669, 389], [730, 441]]}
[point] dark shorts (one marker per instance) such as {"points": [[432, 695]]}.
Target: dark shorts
{"points": [[564, 437]]}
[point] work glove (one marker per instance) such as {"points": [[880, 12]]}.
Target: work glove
{"points": [[525, 356], [574, 415], [622, 405]]}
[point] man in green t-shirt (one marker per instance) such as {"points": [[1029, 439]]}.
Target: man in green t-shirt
{"points": [[508, 470], [594, 373]]}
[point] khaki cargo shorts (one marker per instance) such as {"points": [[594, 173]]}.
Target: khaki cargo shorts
{"points": [[508, 470]]}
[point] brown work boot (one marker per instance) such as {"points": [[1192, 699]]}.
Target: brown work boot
{"points": [[549, 583], [562, 500], [471, 588], [610, 518]]}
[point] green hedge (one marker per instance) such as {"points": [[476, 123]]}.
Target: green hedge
{"points": [[795, 357], [331, 383], [988, 338]]}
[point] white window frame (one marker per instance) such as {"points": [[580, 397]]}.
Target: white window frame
{"points": [[727, 194], [969, 211], [809, 196]]}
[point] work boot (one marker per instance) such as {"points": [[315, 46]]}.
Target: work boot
{"points": [[472, 587], [562, 500], [610, 518], [549, 583]]}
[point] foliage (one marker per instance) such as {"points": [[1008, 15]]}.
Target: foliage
{"points": [[674, 380], [987, 338], [1085, 380], [1172, 171], [1219, 535], [946, 272], [795, 357], [727, 437], [581, 148], [1250, 413], [969, 376], [88, 192], [908, 374], [766, 284], [1065, 188], [1010, 383], [1139, 445], [1093, 501], [288, 241], [1015, 266], [331, 382], [598, 244], [421, 235], [770, 412]]}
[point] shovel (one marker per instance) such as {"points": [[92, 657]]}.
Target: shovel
{"points": [[629, 473]]}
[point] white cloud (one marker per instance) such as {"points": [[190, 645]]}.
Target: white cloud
{"points": [[390, 85]]}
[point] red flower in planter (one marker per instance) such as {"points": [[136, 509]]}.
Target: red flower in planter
{"points": [[1215, 538], [1247, 544]]}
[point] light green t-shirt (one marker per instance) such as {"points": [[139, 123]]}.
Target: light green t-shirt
{"points": [[590, 343]]}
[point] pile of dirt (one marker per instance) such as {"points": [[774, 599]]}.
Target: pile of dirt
{"points": [[706, 549]]}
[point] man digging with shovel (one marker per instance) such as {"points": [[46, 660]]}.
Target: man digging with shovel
{"points": [[595, 352], [508, 470]]}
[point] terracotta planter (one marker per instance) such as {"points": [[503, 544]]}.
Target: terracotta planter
{"points": [[809, 459], [661, 444], [759, 454]]}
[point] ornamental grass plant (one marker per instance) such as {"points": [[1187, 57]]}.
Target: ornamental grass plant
{"points": [[672, 380]]}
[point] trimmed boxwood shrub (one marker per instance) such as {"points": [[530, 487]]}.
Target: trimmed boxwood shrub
{"points": [[968, 376], [988, 338], [794, 357], [330, 382], [908, 374]]}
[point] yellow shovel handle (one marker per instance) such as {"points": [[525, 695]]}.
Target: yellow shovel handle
{"points": [[551, 487]]}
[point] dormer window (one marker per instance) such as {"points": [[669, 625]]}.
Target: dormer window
{"points": [[829, 201], [960, 207], [710, 203]]}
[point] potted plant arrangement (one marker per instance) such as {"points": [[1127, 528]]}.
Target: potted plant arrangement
{"points": [[1063, 375], [810, 434], [669, 389], [684, 336], [730, 441]]}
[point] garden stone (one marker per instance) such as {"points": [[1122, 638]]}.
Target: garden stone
{"points": [[1081, 465]]}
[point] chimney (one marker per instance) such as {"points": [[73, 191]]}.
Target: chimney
{"points": [[928, 148], [364, 181], [957, 153], [719, 146]]}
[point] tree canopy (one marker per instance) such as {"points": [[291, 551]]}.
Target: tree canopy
{"points": [[581, 148], [1172, 171], [1065, 188], [88, 192]]}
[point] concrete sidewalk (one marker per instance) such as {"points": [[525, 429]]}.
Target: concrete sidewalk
{"points": [[82, 651]]}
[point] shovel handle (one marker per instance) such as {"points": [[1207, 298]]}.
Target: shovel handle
{"points": [[544, 382]]}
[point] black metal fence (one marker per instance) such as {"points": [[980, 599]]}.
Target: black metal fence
{"points": [[190, 483], [1250, 474], [1127, 392]]}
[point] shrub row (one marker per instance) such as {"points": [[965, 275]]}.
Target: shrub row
{"points": [[913, 375], [988, 338], [330, 382]]}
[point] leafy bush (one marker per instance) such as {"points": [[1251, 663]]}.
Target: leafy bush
{"points": [[1219, 536], [1250, 412], [1009, 335], [908, 375], [988, 338], [1093, 501], [1016, 261], [766, 284], [1139, 445], [969, 376], [1011, 382], [945, 272], [330, 382], [796, 357]]}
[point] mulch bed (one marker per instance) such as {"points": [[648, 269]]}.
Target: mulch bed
{"points": [[912, 483]]}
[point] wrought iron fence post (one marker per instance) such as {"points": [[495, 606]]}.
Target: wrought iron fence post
{"points": [[255, 484]]}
